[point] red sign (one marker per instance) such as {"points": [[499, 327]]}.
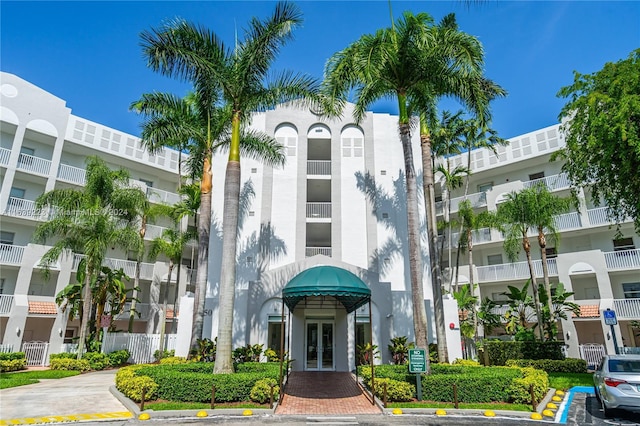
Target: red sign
{"points": [[105, 320]]}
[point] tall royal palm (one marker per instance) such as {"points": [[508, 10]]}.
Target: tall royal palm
{"points": [[415, 63], [240, 74]]}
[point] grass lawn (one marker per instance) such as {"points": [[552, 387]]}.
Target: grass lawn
{"points": [[11, 380], [462, 405], [564, 381], [168, 405]]}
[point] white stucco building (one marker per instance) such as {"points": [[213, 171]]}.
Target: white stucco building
{"points": [[337, 202]]}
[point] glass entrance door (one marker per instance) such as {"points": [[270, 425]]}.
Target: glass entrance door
{"points": [[319, 345]]}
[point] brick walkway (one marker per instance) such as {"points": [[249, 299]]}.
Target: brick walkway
{"points": [[324, 393]]}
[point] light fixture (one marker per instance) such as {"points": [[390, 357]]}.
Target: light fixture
{"points": [[18, 331], [60, 332], [568, 335]]}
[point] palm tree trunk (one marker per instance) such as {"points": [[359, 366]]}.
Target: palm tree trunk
{"points": [[534, 284], [163, 314], [542, 242], [136, 280], [86, 311], [175, 297], [204, 226], [471, 282], [466, 192], [432, 230]]}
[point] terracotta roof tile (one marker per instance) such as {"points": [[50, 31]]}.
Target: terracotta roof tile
{"points": [[589, 311], [47, 308], [170, 313]]}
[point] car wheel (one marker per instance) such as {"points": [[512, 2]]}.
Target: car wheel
{"points": [[597, 395], [608, 412]]}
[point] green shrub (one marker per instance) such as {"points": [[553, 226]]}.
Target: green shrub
{"points": [[466, 362], [271, 368], [97, 360], [397, 390], [118, 358], [174, 360], [12, 364], [69, 364], [484, 385], [261, 391], [10, 356], [499, 352], [165, 354], [519, 390], [63, 355], [132, 384], [569, 365], [272, 356]]}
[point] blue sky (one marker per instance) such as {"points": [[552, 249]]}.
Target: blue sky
{"points": [[88, 53]]}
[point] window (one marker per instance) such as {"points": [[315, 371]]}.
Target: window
{"points": [[538, 175], [275, 332], [623, 244], [27, 158], [147, 182], [551, 252], [484, 187], [254, 170], [631, 290], [69, 334], [7, 237], [494, 259], [499, 298], [17, 192]]}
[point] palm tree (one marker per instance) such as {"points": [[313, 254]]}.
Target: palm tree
{"points": [[560, 306], [238, 75], [520, 303], [515, 216], [467, 304], [171, 244], [414, 62], [487, 318], [109, 293], [544, 210], [89, 221]]}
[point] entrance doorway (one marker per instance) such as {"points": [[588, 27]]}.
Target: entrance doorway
{"points": [[319, 345]]}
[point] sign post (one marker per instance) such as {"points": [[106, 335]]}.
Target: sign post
{"points": [[417, 366], [610, 319]]}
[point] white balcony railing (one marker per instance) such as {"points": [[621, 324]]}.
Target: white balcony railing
{"points": [[623, 259], [513, 271], [153, 232], [141, 308], [553, 183], [5, 154], [318, 210], [10, 254], [568, 221], [19, 207], [477, 200], [6, 302], [478, 237], [72, 174], [33, 164], [128, 266], [598, 216], [161, 196], [319, 167], [627, 308], [312, 251]]}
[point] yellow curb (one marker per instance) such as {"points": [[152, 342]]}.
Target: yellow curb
{"points": [[202, 413], [559, 393], [144, 416], [552, 406], [441, 412], [397, 412], [548, 413], [536, 416], [247, 413], [489, 413]]}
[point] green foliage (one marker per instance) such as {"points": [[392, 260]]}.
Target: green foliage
{"points": [[205, 352], [433, 353], [603, 135], [12, 364], [466, 362], [174, 360], [262, 391], [132, 384], [364, 352], [9, 356], [69, 364], [118, 358], [63, 355], [249, 353], [28, 377], [564, 381], [272, 356], [519, 390], [399, 349], [97, 360], [569, 365], [396, 390], [499, 352], [160, 355]]}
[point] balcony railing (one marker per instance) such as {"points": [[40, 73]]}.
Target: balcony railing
{"points": [[6, 302], [318, 210], [568, 221], [153, 232], [480, 236], [141, 308], [514, 271], [5, 154], [10, 254], [553, 183], [161, 196], [598, 216], [312, 251], [319, 167], [72, 174], [128, 266], [477, 200], [623, 259], [627, 308], [19, 207], [33, 164]]}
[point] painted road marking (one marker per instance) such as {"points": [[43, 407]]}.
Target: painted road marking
{"points": [[67, 418]]}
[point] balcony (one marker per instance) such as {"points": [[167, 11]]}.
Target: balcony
{"points": [[161, 196], [72, 174], [553, 183], [33, 164], [477, 200], [128, 266], [10, 254], [622, 259], [627, 308], [319, 210], [5, 154], [319, 167], [514, 271], [19, 207], [6, 302], [153, 232], [312, 251], [568, 221]]}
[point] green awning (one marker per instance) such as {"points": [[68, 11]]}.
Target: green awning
{"points": [[345, 286]]}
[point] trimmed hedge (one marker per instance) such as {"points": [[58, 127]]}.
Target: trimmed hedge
{"points": [[174, 360], [117, 358], [63, 355], [131, 384], [519, 390], [499, 352], [10, 356], [569, 365], [69, 364], [7, 365], [261, 391], [97, 360]]}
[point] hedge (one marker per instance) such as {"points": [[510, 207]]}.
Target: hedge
{"points": [[69, 364], [132, 384], [569, 365], [10, 356], [520, 388], [499, 352], [12, 364]]}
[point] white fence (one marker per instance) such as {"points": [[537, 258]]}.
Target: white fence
{"points": [[592, 353], [141, 346], [36, 353]]}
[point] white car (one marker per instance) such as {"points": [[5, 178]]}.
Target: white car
{"points": [[617, 383]]}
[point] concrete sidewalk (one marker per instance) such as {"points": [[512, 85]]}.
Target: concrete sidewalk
{"points": [[85, 394]]}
